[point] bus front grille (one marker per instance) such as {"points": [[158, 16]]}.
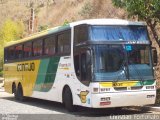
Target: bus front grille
{"points": [[136, 87], [120, 88]]}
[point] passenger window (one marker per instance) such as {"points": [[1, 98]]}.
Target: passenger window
{"points": [[49, 46], [19, 52], [27, 50], [37, 48], [64, 43], [5, 55], [11, 53], [80, 34]]}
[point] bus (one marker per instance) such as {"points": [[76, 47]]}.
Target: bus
{"points": [[94, 63]]}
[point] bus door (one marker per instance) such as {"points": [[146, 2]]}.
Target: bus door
{"points": [[82, 61]]}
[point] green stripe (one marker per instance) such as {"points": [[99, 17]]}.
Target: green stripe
{"points": [[149, 82], [46, 74], [61, 28], [41, 74], [146, 82]]}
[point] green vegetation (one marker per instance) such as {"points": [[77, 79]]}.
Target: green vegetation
{"points": [[158, 97], [66, 22], [42, 27], [146, 10], [86, 10], [1, 73], [10, 31]]}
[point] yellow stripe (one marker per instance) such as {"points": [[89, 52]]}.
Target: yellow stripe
{"points": [[118, 84]]}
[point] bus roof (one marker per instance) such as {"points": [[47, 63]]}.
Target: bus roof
{"points": [[107, 22], [39, 34], [65, 27]]}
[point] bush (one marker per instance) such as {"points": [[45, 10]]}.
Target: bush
{"points": [[1, 73], [66, 22], [42, 27], [158, 97], [86, 10]]}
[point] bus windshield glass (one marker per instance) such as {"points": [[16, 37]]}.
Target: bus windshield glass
{"points": [[116, 33], [139, 62], [122, 62]]}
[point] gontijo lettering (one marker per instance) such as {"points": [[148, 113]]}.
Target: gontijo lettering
{"points": [[26, 67]]}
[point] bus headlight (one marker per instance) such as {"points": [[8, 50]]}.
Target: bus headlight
{"points": [[100, 90], [104, 89], [96, 90], [149, 87]]}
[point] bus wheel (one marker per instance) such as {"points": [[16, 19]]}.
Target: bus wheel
{"points": [[20, 93], [67, 99], [14, 91]]}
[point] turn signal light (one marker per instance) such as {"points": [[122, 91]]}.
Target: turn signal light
{"points": [[95, 90], [149, 87]]}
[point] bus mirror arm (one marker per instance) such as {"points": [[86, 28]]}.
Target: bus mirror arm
{"points": [[154, 56]]}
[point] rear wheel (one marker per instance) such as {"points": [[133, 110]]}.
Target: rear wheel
{"points": [[20, 93], [14, 91], [68, 100]]}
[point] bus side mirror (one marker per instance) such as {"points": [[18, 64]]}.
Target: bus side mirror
{"points": [[154, 56]]}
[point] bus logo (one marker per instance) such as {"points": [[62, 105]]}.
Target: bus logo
{"points": [[26, 67], [116, 84], [83, 96]]}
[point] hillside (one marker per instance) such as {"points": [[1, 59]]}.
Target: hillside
{"points": [[55, 12], [73, 10]]}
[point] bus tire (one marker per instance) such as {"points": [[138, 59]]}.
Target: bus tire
{"points": [[68, 100], [14, 91], [20, 93]]}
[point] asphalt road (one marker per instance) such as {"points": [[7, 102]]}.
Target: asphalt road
{"points": [[35, 109]]}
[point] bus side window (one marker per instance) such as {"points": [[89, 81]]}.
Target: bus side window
{"points": [[80, 34], [5, 55], [37, 48], [19, 52], [49, 46], [64, 43], [27, 50], [11, 53]]}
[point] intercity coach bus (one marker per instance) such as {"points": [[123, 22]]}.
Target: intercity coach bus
{"points": [[97, 63]]}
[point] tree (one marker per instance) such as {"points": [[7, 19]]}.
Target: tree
{"points": [[146, 10], [42, 27], [10, 31]]}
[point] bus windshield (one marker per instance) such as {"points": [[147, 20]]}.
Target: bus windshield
{"points": [[122, 62], [115, 33]]}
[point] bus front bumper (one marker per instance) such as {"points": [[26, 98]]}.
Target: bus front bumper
{"points": [[121, 99]]}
